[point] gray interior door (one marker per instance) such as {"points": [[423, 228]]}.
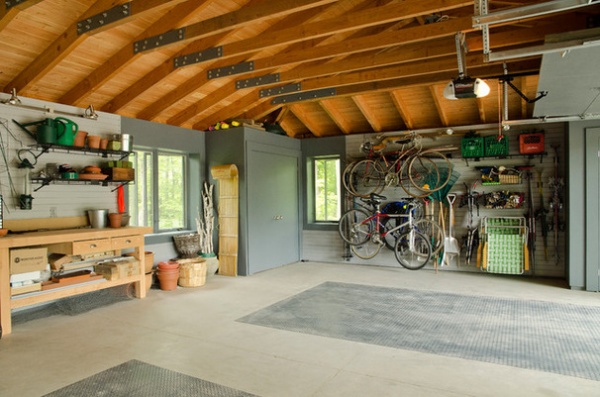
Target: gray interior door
{"points": [[273, 212], [592, 208]]}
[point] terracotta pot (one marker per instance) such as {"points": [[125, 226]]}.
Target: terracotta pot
{"points": [[168, 280], [93, 141], [80, 139], [114, 219], [103, 143], [171, 265]]}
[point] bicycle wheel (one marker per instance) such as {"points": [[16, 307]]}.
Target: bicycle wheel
{"points": [[346, 177], [355, 227], [434, 233], [366, 250], [406, 183], [413, 250], [390, 237], [367, 177], [430, 171]]}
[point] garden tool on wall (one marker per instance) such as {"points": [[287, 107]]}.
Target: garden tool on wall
{"points": [[472, 238], [556, 183], [451, 245], [541, 214]]}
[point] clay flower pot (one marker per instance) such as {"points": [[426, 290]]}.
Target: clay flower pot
{"points": [[115, 219], [168, 279], [168, 275]]}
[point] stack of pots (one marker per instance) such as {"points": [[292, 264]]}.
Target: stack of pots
{"points": [[168, 274]]}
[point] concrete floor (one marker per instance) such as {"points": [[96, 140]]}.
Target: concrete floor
{"points": [[193, 331]]}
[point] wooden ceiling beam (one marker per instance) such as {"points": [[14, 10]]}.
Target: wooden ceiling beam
{"points": [[245, 15], [436, 95], [522, 66], [368, 113], [317, 53], [315, 30], [400, 105], [125, 56], [168, 67], [70, 39], [313, 125], [338, 117], [7, 15], [410, 48]]}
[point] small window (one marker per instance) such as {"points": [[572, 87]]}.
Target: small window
{"points": [[158, 198], [327, 189]]}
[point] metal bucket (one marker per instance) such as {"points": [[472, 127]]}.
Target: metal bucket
{"points": [[98, 218], [126, 142]]}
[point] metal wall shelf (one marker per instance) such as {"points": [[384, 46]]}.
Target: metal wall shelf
{"points": [[59, 181], [81, 150]]}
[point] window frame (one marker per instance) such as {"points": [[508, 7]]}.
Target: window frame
{"points": [[314, 161], [155, 153], [310, 222]]}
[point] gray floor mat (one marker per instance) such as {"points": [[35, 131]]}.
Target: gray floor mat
{"points": [[558, 338], [138, 379]]}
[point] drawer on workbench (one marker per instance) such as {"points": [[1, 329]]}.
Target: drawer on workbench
{"points": [[81, 247], [118, 243]]}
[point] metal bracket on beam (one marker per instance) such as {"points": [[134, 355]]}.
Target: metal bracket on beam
{"points": [[280, 90], [172, 36], [530, 11], [104, 18], [11, 3], [229, 70], [197, 57], [303, 96], [256, 81]]}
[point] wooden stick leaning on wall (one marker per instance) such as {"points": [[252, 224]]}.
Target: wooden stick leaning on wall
{"points": [[228, 212]]}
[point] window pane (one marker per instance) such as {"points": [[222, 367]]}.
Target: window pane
{"points": [[171, 191], [327, 190], [140, 194]]}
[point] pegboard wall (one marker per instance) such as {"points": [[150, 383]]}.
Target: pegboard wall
{"points": [[55, 200], [550, 251]]}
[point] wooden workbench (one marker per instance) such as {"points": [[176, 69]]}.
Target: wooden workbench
{"points": [[74, 241]]}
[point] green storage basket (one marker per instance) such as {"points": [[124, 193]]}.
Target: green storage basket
{"points": [[495, 147], [472, 147]]}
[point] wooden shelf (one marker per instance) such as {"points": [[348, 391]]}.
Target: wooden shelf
{"points": [[125, 237]]}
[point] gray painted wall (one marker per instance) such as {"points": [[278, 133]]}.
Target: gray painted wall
{"points": [[577, 203], [154, 135], [229, 147]]}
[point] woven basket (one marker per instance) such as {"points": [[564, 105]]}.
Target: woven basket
{"points": [[192, 272], [187, 245]]}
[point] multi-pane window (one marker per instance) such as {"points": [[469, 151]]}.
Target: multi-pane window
{"points": [[327, 189], [158, 198]]}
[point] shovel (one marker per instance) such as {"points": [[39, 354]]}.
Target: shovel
{"points": [[451, 245]]}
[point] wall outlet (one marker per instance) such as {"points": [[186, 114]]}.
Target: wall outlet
{"points": [[53, 212]]}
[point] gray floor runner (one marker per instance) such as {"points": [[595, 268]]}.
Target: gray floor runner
{"points": [[138, 379], [558, 338]]}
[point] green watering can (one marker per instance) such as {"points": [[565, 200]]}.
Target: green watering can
{"points": [[49, 131], [71, 128]]}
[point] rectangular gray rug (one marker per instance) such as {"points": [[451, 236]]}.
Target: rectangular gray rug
{"points": [[558, 338], [137, 379]]}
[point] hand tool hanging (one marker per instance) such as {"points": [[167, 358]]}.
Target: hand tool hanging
{"points": [[556, 184], [472, 238], [541, 214], [530, 224]]}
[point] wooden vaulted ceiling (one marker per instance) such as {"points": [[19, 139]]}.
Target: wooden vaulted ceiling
{"points": [[388, 60]]}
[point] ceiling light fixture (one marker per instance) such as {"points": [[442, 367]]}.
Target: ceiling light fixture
{"points": [[464, 86], [14, 99], [90, 113]]}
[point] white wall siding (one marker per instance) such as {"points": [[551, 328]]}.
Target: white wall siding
{"points": [[53, 200]]}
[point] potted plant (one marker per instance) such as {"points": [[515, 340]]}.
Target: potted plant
{"points": [[205, 226]]}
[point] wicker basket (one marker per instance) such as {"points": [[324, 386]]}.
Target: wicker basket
{"points": [[192, 272], [187, 245]]}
